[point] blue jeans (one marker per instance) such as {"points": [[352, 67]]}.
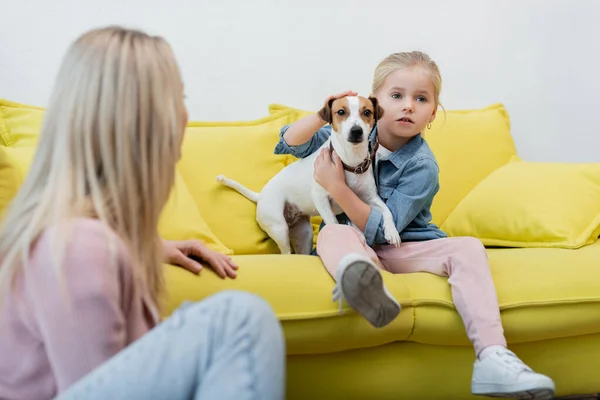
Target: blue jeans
{"points": [[229, 346]]}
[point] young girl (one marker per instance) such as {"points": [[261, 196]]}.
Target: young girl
{"points": [[81, 261], [407, 86]]}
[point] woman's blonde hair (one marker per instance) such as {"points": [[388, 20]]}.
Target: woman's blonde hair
{"points": [[109, 143], [403, 60]]}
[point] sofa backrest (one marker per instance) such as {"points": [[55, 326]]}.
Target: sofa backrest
{"points": [[469, 145]]}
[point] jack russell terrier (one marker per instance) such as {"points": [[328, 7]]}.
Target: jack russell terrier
{"points": [[290, 198]]}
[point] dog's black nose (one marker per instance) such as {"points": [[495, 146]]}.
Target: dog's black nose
{"points": [[355, 135]]}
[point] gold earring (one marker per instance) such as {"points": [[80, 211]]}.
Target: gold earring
{"points": [[429, 125]]}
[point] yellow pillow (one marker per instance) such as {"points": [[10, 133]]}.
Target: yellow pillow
{"points": [[20, 124], [294, 116], [181, 220], [19, 128], [468, 145], [242, 151], [532, 204], [10, 180]]}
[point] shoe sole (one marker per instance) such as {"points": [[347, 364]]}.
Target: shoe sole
{"points": [[363, 289], [523, 394]]}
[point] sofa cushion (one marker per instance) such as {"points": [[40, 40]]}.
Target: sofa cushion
{"points": [[243, 151], [543, 294], [180, 219], [19, 123], [532, 204], [10, 179], [299, 290], [20, 126], [468, 144]]}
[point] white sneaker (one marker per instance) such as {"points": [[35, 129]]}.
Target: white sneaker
{"points": [[503, 374], [360, 283]]}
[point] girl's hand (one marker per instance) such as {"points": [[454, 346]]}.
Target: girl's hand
{"points": [[329, 173], [182, 254], [324, 113], [339, 96]]}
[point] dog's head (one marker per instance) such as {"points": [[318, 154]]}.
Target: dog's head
{"points": [[352, 117]]}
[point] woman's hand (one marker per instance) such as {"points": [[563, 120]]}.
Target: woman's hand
{"points": [[180, 253], [329, 172]]}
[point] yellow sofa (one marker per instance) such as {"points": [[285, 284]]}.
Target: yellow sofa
{"points": [[539, 221]]}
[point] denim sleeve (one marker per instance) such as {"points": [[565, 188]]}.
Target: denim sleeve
{"points": [[415, 189], [304, 149]]}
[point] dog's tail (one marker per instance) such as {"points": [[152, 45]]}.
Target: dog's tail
{"points": [[249, 194]]}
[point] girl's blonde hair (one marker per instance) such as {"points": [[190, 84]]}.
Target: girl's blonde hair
{"points": [[403, 60], [108, 147]]}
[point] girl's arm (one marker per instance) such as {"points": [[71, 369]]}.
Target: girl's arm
{"points": [[302, 130], [414, 190], [357, 210], [308, 134], [330, 175]]}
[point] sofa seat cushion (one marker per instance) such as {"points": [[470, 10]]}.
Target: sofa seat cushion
{"points": [[544, 293], [299, 290]]}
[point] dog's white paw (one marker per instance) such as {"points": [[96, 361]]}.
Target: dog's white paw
{"points": [[391, 234]]}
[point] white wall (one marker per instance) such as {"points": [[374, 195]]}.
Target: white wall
{"points": [[541, 58]]}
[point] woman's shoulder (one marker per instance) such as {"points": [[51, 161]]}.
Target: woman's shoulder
{"points": [[88, 234], [85, 248]]}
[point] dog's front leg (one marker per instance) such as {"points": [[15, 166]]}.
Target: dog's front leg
{"points": [[390, 232], [322, 203]]}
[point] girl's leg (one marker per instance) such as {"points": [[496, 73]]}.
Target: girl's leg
{"points": [[227, 347], [497, 372], [465, 262], [355, 267]]}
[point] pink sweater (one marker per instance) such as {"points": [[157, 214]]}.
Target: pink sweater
{"points": [[49, 340]]}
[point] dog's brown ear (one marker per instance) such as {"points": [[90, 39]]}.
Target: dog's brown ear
{"points": [[325, 112], [378, 110]]}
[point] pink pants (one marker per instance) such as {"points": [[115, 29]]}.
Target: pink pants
{"points": [[462, 259]]}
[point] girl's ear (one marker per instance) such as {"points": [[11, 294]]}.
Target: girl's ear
{"points": [[433, 115]]}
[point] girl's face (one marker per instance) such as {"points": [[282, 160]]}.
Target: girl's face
{"points": [[407, 97]]}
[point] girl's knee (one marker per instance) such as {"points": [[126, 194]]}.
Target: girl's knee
{"points": [[470, 246], [472, 243], [337, 232]]}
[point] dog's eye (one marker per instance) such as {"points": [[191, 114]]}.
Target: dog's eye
{"points": [[367, 113], [341, 112]]}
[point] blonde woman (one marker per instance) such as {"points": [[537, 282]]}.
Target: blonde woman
{"points": [[80, 274]]}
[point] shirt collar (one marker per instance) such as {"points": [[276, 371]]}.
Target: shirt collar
{"points": [[404, 153]]}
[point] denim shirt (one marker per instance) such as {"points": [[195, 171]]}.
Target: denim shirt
{"points": [[407, 180]]}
